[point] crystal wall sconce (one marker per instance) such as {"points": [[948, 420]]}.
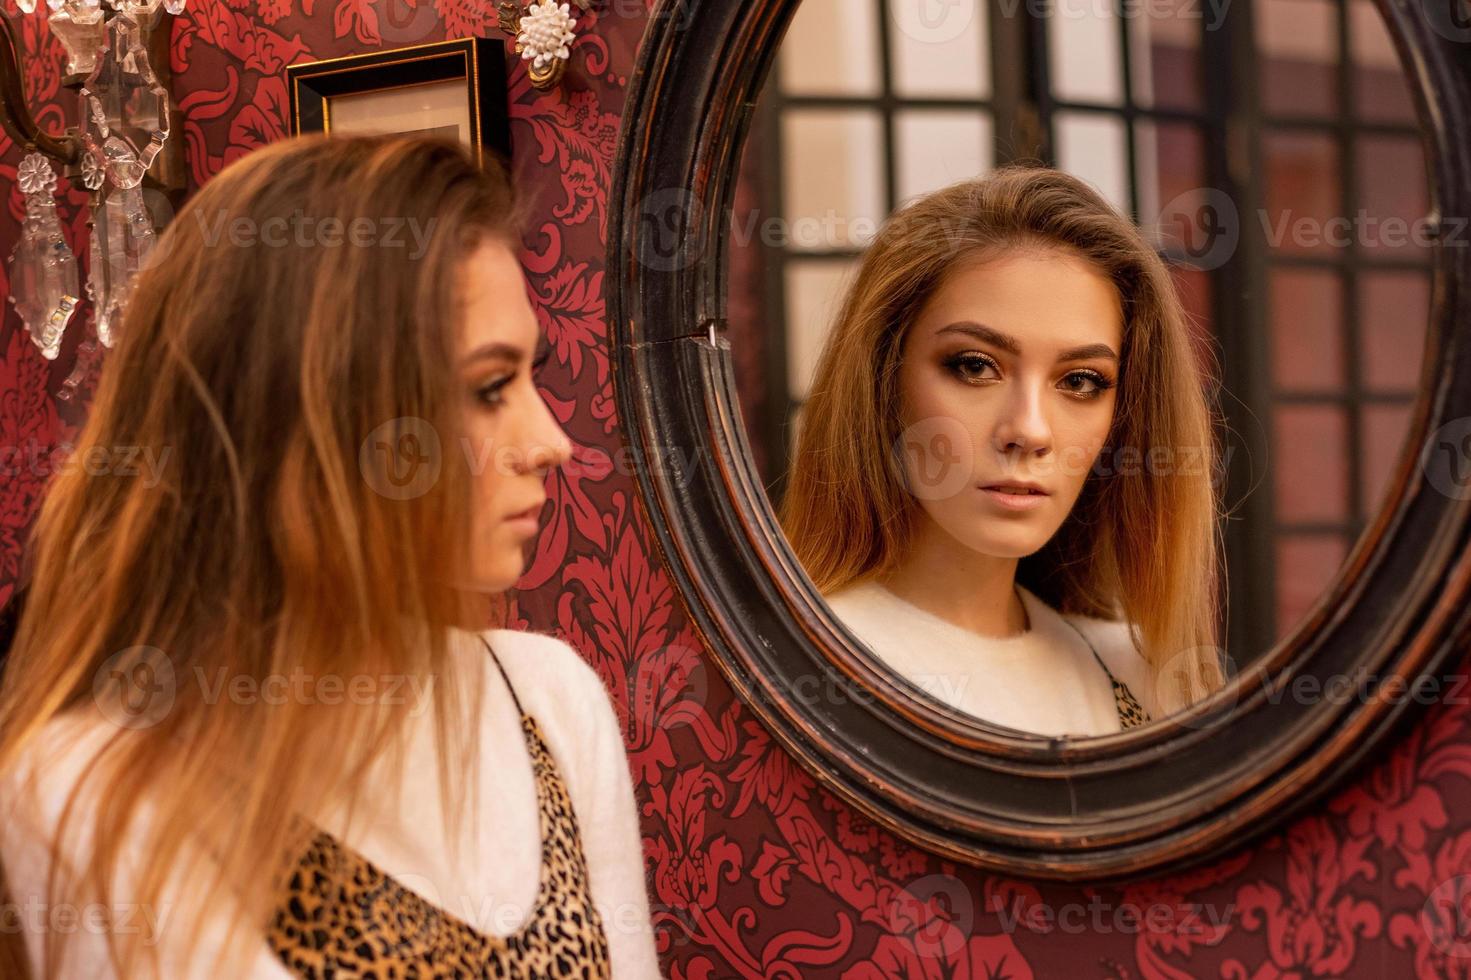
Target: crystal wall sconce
{"points": [[124, 114]]}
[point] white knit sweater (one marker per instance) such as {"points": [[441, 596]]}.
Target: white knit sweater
{"points": [[1045, 681]]}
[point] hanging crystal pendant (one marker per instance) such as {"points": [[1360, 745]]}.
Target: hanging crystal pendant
{"points": [[125, 111], [43, 271], [82, 31], [140, 10], [122, 238], [87, 362], [124, 123]]}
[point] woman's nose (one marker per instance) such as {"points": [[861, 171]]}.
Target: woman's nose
{"points": [[547, 446], [1023, 425]]}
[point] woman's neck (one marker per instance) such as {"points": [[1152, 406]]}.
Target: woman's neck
{"points": [[974, 591]]}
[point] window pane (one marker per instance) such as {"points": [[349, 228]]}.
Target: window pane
{"points": [[1164, 53], [1306, 565], [1304, 316], [1297, 43], [1384, 429], [831, 48], [1196, 290], [1309, 463], [832, 177], [1083, 45], [1171, 161], [1394, 313], [1392, 193], [939, 48], [1091, 146], [1381, 90], [1302, 192], [814, 290], [938, 148]]}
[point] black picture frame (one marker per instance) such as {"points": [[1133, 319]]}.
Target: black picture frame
{"points": [[1145, 801], [479, 61]]}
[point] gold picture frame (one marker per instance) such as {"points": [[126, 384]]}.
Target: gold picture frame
{"points": [[455, 87]]}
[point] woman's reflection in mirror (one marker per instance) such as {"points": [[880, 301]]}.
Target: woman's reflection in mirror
{"points": [[1002, 479]]}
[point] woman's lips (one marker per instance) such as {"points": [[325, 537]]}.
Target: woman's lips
{"points": [[1016, 501], [526, 522]]}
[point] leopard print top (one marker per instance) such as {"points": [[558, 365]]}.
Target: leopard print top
{"points": [[344, 917], [1131, 712]]}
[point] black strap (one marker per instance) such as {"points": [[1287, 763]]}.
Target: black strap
{"points": [[1096, 657], [1131, 712], [504, 676]]}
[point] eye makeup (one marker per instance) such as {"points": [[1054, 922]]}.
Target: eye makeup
{"points": [[966, 365]]}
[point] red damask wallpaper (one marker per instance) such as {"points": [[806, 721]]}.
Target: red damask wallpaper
{"points": [[754, 870]]}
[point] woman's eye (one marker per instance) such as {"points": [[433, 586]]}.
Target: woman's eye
{"points": [[1087, 383], [970, 366], [490, 393]]}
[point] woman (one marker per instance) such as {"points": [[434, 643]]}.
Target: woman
{"points": [[1002, 480], [253, 723]]}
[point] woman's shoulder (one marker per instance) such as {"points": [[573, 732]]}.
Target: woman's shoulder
{"points": [[544, 655], [1117, 642], [1119, 645], [59, 776], [866, 603], [54, 763], [853, 591], [551, 679], [572, 709]]}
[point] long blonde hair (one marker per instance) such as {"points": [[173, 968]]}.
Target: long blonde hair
{"points": [[259, 351], [1143, 545]]}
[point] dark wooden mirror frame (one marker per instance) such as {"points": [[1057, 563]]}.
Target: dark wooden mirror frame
{"points": [[1173, 793]]}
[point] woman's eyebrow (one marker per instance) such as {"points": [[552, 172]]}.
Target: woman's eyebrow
{"points": [[1087, 352], [498, 350], [1012, 346], [990, 335]]}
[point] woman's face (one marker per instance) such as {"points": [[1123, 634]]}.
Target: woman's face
{"points": [[512, 440], [1007, 376]]}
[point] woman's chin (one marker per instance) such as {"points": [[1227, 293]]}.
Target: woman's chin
{"points": [[500, 575], [1019, 544]]}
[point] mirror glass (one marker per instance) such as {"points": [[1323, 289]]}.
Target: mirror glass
{"points": [[1266, 151]]}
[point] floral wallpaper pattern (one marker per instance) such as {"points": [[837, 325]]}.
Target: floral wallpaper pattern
{"points": [[754, 870]]}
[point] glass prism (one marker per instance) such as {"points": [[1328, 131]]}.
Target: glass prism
{"points": [[43, 276], [125, 111], [122, 238]]}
